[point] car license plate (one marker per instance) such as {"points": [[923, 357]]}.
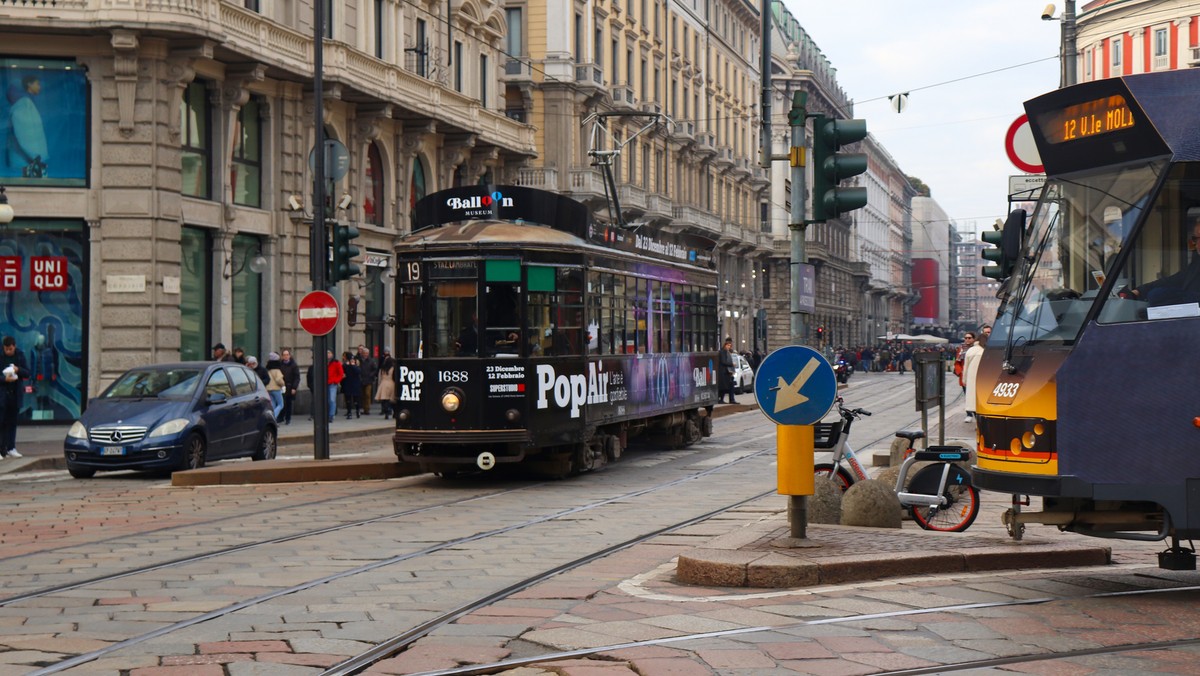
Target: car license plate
{"points": [[112, 450]]}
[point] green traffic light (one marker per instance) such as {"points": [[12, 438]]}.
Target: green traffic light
{"points": [[1003, 266], [344, 252], [830, 167]]}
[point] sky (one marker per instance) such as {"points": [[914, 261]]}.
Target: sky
{"points": [[950, 135]]}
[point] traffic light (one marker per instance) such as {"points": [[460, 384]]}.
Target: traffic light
{"points": [[352, 310], [820, 332], [343, 253], [1006, 246], [830, 167]]}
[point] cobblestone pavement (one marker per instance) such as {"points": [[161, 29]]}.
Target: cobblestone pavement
{"points": [[54, 532]]}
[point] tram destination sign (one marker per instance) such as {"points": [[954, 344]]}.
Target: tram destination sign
{"points": [[681, 248]]}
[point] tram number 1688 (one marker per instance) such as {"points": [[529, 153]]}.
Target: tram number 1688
{"points": [[452, 376]]}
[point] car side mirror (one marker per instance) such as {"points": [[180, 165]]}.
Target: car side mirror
{"points": [[215, 398]]}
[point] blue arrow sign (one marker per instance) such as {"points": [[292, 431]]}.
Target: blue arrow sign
{"points": [[795, 385]]}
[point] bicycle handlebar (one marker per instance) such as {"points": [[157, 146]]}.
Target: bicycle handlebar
{"points": [[852, 412]]}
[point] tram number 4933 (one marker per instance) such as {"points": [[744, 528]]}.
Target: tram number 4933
{"points": [[1006, 390]]}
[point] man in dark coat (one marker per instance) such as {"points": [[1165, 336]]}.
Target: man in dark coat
{"points": [[291, 383], [15, 371], [725, 368]]}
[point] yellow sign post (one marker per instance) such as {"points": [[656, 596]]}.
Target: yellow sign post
{"points": [[795, 459]]}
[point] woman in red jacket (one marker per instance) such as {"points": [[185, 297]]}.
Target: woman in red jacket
{"points": [[335, 379]]}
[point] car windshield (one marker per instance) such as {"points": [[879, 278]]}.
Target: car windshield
{"points": [[161, 383]]}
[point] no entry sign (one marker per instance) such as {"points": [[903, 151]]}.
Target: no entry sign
{"points": [[1020, 147], [318, 313]]}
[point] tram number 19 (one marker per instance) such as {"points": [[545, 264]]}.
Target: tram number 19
{"points": [[412, 272], [1006, 390]]}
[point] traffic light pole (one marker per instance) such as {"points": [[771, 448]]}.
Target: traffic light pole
{"points": [[797, 504], [319, 242]]}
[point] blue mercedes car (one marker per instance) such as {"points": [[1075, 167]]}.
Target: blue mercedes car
{"points": [[173, 417]]}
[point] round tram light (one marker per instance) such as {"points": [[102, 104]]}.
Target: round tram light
{"points": [[403, 415], [451, 400], [1015, 446], [1196, 421], [1039, 429], [1028, 439], [512, 415]]}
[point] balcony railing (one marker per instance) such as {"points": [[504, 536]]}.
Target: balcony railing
{"points": [[703, 220], [517, 70], [623, 97], [545, 178], [589, 74]]}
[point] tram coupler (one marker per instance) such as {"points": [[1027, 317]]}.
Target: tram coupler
{"points": [[1177, 557]]}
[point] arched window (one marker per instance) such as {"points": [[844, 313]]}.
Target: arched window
{"points": [[373, 187]]}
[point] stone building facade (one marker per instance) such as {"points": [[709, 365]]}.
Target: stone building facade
{"points": [[172, 187]]}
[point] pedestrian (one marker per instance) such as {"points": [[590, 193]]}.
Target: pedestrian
{"points": [[219, 353], [259, 369], [725, 369], [275, 382], [370, 372], [971, 368], [335, 374], [386, 392], [291, 383], [960, 359], [351, 384], [15, 369], [239, 355]]}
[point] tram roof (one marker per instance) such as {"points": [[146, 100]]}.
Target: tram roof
{"points": [[480, 232]]}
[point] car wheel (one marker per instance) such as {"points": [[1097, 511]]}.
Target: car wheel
{"points": [[193, 452], [81, 473], [267, 445]]}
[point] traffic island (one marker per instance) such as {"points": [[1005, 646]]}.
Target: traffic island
{"points": [[763, 556]]}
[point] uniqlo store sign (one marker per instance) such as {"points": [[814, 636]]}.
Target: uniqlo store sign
{"points": [[46, 273]]}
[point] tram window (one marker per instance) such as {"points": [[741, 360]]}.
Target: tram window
{"points": [[410, 321], [617, 316], [455, 319], [635, 336], [568, 336], [596, 299], [503, 320], [660, 320], [539, 322], [1161, 269]]}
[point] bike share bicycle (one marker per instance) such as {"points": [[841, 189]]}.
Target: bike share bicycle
{"points": [[940, 496]]}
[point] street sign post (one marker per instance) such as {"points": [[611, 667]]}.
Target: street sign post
{"points": [[1020, 147], [318, 313], [795, 387]]}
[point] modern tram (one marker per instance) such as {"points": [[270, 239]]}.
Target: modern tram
{"points": [[1088, 389], [527, 333]]}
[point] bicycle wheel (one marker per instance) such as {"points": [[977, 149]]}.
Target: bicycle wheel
{"points": [[827, 471], [962, 499]]}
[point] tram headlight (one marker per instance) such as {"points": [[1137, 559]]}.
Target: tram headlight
{"points": [[403, 415], [512, 415], [451, 400]]}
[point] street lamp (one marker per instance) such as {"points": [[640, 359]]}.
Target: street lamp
{"points": [[1067, 77], [6, 210]]}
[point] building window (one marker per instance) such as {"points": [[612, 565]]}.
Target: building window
{"points": [[579, 39], [416, 187], [373, 198], [629, 67], [420, 49], [598, 48], [327, 28], [246, 171], [195, 284], [1161, 47], [246, 295], [484, 76], [514, 43], [458, 70], [195, 141], [379, 29], [1116, 55], [251, 5]]}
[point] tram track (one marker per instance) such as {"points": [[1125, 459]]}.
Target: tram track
{"points": [[964, 665], [452, 544]]}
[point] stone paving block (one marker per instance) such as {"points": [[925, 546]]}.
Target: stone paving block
{"points": [[1016, 556], [715, 567], [567, 638], [735, 659], [827, 667], [325, 646], [205, 658], [669, 666], [305, 660], [796, 650], [860, 567], [689, 624], [268, 669], [777, 571]]}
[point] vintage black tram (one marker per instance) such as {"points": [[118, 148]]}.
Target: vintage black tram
{"points": [[528, 333], [1087, 391]]}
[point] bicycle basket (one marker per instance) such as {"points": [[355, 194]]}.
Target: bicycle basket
{"points": [[825, 435]]}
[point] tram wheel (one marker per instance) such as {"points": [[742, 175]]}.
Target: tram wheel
{"points": [[691, 432]]}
